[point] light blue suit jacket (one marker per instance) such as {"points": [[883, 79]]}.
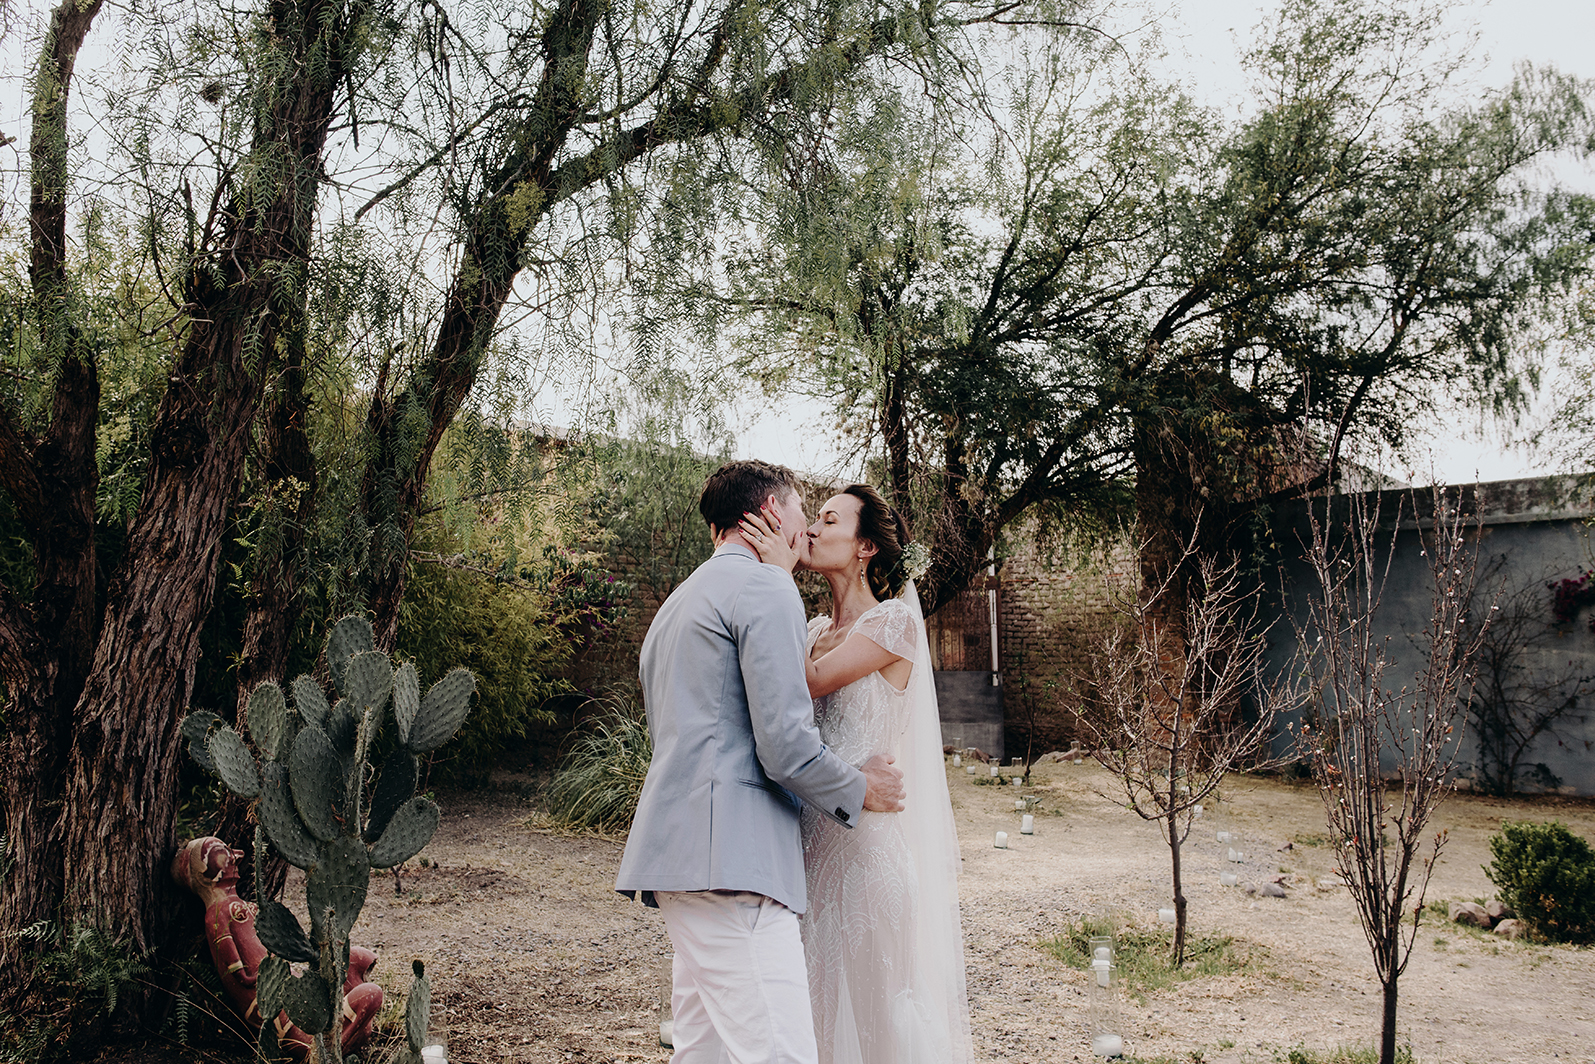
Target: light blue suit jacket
{"points": [[735, 748]]}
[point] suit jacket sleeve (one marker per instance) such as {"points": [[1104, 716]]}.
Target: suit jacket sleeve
{"points": [[767, 623]]}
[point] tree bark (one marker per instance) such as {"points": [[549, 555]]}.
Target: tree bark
{"points": [[117, 822], [53, 481], [275, 596]]}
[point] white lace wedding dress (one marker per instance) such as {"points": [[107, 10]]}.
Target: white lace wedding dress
{"points": [[882, 933]]}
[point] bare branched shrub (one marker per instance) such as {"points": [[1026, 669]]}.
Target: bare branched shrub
{"points": [[1382, 757], [1180, 701]]}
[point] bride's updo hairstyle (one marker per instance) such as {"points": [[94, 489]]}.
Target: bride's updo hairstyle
{"points": [[883, 526]]}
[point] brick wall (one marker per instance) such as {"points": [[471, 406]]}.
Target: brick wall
{"points": [[1052, 609]]}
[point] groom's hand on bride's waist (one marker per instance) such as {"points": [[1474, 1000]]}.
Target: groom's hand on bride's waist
{"points": [[883, 785]]}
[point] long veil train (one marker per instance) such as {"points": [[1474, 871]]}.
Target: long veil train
{"points": [[941, 997]]}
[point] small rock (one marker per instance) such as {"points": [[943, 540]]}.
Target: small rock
{"points": [[1273, 890], [1470, 913], [1330, 882], [1511, 928], [1498, 910]]}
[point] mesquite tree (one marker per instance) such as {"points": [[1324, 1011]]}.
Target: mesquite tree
{"points": [[1079, 279], [1177, 703], [1382, 757]]}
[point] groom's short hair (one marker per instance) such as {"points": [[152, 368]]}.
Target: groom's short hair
{"points": [[741, 487]]}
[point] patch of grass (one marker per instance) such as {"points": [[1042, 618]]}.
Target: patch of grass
{"points": [[1315, 838], [598, 786], [1342, 1055], [1142, 954]]}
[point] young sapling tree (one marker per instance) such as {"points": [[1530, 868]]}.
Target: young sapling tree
{"points": [[1379, 814], [1181, 700]]}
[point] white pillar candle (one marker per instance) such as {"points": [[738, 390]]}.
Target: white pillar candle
{"points": [[1002, 840], [957, 761], [1107, 1045], [1166, 915], [434, 1054], [996, 770], [970, 769], [1018, 805], [1229, 879], [1225, 836], [1236, 856], [667, 1034], [1027, 826]]}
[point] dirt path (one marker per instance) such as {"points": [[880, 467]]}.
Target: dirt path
{"points": [[534, 959]]}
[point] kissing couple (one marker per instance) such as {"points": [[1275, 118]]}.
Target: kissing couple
{"points": [[795, 828]]}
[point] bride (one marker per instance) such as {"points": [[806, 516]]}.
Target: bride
{"points": [[882, 934]]}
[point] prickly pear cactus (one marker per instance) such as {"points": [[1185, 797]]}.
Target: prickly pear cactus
{"points": [[321, 806]]}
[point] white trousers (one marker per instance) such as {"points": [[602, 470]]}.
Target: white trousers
{"points": [[740, 985]]}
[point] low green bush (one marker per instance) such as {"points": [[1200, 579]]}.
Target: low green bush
{"points": [[1547, 875]]}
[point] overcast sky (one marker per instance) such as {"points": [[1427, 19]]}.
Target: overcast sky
{"points": [[1203, 40]]}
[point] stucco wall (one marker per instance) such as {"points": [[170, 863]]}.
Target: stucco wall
{"points": [[1532, 532]]}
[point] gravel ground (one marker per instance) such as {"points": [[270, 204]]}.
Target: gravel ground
{"points": [[534, 959]]}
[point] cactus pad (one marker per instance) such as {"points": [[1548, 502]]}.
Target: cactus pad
{"points": [[400, 773], [234, 763], [338, 882], [268, 720], [348, 637], [343, 725], [271, 987], [410, 829], [442, 711], [418, 1009], [310, 701], [195, 728], [369, 679], [281, 820], [406, 699], [309, 1003], [280, 932], [317, 783]]}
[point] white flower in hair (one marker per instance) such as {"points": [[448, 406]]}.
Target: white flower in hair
{"points": [[916, 560]]}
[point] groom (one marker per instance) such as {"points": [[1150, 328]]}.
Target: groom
{"points": [[715, 843]]}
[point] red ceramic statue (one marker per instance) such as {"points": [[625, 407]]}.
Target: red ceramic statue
{"points": [[208, 867]]}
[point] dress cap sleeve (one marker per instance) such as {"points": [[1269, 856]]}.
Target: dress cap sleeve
{"points": [[890, 625]]}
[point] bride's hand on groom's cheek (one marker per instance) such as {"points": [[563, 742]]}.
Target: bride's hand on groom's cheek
{"points": [[762, 531]]}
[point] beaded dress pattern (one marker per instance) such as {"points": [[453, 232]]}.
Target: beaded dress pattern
{"points": [[874, 1001]]}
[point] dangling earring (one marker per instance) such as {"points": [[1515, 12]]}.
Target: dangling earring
{"points": [[863, 581]]}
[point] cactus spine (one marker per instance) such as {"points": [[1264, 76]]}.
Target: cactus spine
{"points": [[313, 781]]}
